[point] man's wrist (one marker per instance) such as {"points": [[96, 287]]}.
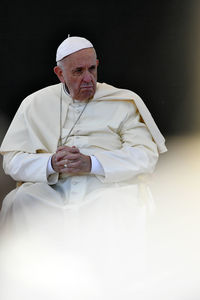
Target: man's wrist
{"points": [[50, 169], [96, 167]]}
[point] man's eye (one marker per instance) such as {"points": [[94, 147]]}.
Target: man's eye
{"points": [[92, 68], [78, 71]]}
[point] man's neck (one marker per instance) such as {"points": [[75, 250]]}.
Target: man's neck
{"points": [[66, 89]]}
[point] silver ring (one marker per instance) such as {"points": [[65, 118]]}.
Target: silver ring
{"points": [[65, 165]]}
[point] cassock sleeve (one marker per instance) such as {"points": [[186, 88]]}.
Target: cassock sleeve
{"points": [[138, 154], [28, 167]]}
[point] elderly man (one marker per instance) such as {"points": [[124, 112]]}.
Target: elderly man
{"points": [[79, 149]]}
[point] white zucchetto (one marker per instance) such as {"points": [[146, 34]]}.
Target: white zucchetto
{"points": [[71, 45]]}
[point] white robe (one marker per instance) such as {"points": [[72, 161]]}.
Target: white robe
{"points": [[100, 219]]}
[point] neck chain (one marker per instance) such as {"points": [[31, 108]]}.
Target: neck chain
{"points": [[60, 142]]}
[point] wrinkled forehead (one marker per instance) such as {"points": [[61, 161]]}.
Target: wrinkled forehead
{"points": [[83, 56]]}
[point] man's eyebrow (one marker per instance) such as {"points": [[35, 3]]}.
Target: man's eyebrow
{"points": [[78, 68], [92, 66]]}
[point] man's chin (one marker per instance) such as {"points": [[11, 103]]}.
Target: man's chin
{"points": [[87, 94]]}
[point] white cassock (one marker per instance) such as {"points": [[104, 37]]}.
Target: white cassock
{"points": [[95, 222]]}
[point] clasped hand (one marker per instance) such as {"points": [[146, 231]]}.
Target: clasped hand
{"points": [[70, 160]]}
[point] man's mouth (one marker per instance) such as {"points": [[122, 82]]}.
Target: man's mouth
{"points": [[86, 86]]}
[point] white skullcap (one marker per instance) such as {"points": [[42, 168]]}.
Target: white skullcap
{"points": [[71, 45]]}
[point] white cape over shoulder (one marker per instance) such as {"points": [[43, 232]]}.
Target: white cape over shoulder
{"points": [[30, 134]]}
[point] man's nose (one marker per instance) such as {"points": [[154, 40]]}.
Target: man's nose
{"points": [[87, 76]]}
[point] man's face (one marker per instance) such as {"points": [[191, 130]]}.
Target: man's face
{"points": [[79, 72]]}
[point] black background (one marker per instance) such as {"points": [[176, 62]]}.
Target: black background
{"points": [[145, 46]]}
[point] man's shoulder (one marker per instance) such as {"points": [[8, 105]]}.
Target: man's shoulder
{"points": [[41, 98], [114, 99], [105, 90], [41, 94], [49, 90]]}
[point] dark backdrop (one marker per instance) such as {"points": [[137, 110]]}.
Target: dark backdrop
{"points": [[142, 45]]}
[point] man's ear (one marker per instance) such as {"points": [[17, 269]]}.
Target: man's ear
{"points": [[58, 71], [97, 62]]}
